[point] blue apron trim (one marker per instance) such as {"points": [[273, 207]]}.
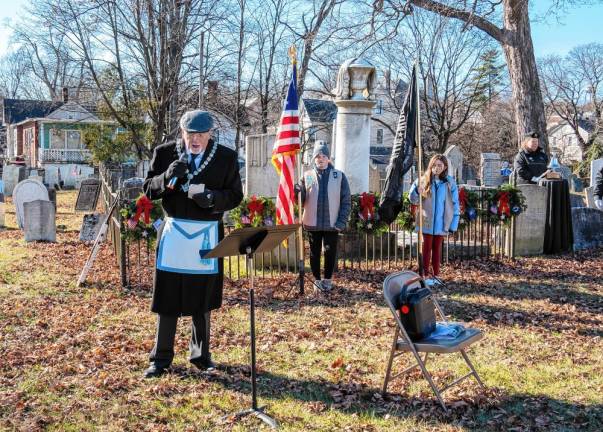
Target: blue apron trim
{"points": [[196, 244]]}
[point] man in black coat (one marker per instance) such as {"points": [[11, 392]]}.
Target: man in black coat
{"points": [[531, 161], [598, 192], [197, 180]]}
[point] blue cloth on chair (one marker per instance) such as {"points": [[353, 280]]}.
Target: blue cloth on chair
{"points": [[447, 331]]}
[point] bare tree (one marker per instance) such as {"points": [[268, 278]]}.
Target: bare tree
{"points": [[573, 85], [13, 70], [133, 52], [508, 23]]}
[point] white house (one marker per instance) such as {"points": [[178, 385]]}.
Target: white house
{"points": [[564, 142]]}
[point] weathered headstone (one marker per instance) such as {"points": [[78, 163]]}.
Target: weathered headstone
{"points": [[1, 208], [575, 183], [588, 228], [26, 191], [595, 168], [39, 221], [52, 196], [11, 176], [589, 193], [455, 162], [566, 172], [577, 200], [87, 196], [529, 228], [91, 224], [490, 164], [132, 187]]}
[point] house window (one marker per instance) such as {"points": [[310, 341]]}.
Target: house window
{"points": [[57, 139], [379, 136], [73, 140], [379, 107]]}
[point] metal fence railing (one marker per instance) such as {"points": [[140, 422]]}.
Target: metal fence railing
{"points": [[390, 249]]}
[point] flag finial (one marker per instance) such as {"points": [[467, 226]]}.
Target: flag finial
{"points": [[293, 54]]}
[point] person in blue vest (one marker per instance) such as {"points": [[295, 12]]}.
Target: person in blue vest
{"points": [[441, 211], [326, 208]]}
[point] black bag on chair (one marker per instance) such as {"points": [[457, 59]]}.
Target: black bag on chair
{"points": [[417, 311]]}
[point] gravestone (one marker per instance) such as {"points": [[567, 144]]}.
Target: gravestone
{"points": [[588, 228], [91, 224], [11, 176], [455, 162], [530, 225], [87, 196], [595, 168], [575, 183], [1, 208], [589, 192], [132, 187], [26, 191], [490, 164], [52, 196], [566, 172], [39, 221], [577, 200]]}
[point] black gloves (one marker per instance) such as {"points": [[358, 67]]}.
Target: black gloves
{"points": [[177, 169], [204, 199], [297, 188]]}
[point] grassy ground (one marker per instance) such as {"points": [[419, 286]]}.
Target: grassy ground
{"points": [[72, 358]]}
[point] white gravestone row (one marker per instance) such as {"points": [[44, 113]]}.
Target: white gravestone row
{"points": [[490, 165], [455, 162], [26, 191]]}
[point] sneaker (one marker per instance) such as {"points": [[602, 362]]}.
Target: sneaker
{"points": [[327, 285], [318, 285]]}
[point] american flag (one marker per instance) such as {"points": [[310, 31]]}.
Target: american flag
{"points": [[286, 146]]}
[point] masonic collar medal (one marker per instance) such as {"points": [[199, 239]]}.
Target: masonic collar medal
{"points": [[180, 149]]}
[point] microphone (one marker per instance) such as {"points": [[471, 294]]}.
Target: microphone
{"points": [[173, 180]]}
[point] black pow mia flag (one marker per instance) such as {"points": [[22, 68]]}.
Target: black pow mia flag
{"points": [[401, 159]]}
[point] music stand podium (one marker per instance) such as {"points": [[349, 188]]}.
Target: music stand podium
{"points": [[248, 241]]}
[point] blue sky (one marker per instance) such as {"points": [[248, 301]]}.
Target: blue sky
{"points": [[579, 26]]}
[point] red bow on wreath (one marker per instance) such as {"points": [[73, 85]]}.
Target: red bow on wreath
{"points": [[255, 206], [504, 207], [367, 205], [143, 206], [462, 199]]}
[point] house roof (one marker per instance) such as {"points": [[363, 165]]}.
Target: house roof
{"points": [[320, 110], [587, 125], [17, 110]]}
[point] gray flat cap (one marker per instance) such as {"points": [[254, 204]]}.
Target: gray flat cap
{"points": [[196, 121]]}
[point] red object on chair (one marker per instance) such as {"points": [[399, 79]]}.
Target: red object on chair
{"points": [[405, 309]]}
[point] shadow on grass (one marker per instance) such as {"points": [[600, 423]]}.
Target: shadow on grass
{"points": [[490, 409]]}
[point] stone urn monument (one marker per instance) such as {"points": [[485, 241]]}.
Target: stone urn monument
{"points": [[355, 101]]}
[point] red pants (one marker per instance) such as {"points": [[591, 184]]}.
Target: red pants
{"points": [[432, 249]]}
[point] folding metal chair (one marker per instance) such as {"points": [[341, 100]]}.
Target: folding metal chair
{"points": [[402, 343]]}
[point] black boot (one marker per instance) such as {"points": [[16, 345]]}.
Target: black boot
{"points": [[154, 371]]}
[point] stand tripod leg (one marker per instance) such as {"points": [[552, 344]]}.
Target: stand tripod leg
{"points": [[254, 410]]}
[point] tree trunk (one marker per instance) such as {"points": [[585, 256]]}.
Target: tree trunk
{"points": [[519, 53]]}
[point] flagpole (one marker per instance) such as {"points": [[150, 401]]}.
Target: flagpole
{"points": [[300, 233], [420, 171]]}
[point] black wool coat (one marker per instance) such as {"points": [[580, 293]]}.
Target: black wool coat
{"points": [[179, 294], [530, 164]]}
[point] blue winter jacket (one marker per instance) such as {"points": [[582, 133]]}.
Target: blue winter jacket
{"points": [[437, 201]]}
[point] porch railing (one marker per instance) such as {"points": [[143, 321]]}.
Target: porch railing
{"points": [[64, 155]]}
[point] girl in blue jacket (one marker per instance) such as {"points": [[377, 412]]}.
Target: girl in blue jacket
{"points": [[441, 211]]}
